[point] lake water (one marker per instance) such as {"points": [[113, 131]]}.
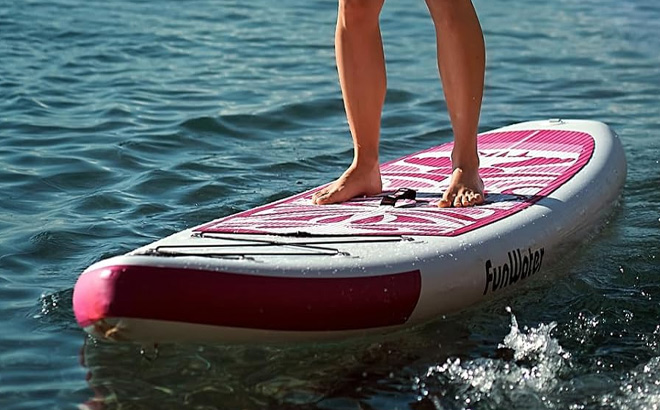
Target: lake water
{"points": [[124, 121]]}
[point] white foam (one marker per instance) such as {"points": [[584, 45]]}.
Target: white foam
{"points": [[531, 375], [639, 390]]}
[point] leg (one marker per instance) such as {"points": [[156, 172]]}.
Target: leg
{"points": [[361, 67], [461, 61]]}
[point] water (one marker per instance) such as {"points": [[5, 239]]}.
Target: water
{"points": [[125, 121]]}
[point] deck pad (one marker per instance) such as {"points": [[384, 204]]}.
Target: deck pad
{"points": [[518, 168]]}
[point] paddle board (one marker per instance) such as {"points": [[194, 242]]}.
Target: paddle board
{"points": [[290, 270]]}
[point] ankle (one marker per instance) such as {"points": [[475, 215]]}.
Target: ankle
{"points": [[365, 162], [465, 162]]}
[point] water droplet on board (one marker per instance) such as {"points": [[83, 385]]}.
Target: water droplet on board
{"points": [[149, 352]]}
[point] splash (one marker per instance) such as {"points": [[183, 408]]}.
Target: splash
{"points": [[640, 389], [535, 346], [525, 372], [54, 311]]}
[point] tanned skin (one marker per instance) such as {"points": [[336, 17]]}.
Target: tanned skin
{"points": [[361, 65]]}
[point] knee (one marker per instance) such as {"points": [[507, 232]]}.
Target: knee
{"points": [[359, 12]]}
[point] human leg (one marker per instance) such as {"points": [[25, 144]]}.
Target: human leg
{"points": [[361, 67], [461, 61]]}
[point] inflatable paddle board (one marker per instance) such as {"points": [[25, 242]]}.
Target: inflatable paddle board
{"points": [[290, 270]]}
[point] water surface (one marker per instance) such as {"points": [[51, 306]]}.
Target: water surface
{"points": [[125, 121]]}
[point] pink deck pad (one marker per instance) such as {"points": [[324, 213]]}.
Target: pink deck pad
{"points": [[518, 168]]}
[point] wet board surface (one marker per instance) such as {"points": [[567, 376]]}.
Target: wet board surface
{"points": [[518, 168]]}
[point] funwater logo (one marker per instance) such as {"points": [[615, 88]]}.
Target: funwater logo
{"points": [[521, 265]]}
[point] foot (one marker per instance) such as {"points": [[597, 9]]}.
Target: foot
{"points": [[354, 182], [465, 189]]}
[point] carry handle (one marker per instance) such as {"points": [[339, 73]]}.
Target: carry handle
{"points": [[401, 193]]}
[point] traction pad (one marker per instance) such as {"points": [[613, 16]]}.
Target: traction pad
{"points": [[518, 169]]}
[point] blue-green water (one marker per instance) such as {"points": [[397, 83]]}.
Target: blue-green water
{"points": [[124, 121]]}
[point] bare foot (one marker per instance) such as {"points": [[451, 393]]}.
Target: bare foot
{"points": [[353, 182], [465, 189]]}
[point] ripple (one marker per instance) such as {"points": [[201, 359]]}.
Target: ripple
{"points": [[239, 126]]}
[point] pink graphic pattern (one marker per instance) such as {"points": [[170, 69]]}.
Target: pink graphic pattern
{"points": [[518, 168]]}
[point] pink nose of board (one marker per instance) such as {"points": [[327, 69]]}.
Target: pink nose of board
{"points": [[246, 301]]}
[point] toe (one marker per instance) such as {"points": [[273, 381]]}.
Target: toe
{"points": [[322, 199], [465, 201], [317, 197], [447, 200]]}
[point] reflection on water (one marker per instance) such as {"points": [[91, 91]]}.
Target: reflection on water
{"points": [[331, 375]]}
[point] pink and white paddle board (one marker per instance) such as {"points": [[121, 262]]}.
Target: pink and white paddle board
{"points": [[291, 270]]}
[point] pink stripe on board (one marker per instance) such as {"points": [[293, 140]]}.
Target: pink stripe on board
{"points": [[245, 301], [518, 168]]}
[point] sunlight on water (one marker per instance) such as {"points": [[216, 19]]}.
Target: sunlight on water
{"points": [[531, 362], [639, 390]]}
